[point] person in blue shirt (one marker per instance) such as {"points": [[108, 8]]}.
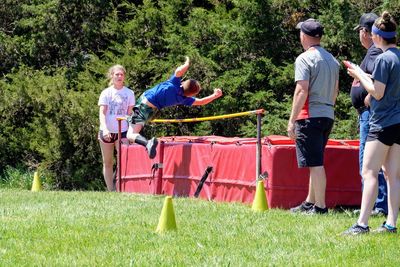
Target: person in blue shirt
{"points": [[382, 148], [172, 92]]}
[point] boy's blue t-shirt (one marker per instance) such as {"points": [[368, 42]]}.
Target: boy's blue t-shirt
{"points": [[386, 111], [168, 93]]}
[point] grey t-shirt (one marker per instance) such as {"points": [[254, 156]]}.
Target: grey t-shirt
{"points": [[386, 111], [321, 69]]}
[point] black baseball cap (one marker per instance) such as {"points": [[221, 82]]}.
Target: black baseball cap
{"points": [[311, 27], [366, 21]]}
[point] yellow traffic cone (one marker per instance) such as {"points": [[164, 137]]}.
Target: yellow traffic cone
{"points": [[167, 218], [260, 200], [36, 185]]}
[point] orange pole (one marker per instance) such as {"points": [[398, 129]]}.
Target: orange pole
{"points": [[119, 155]]}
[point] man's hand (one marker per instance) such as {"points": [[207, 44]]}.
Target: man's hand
{"points": [[291, 131]]}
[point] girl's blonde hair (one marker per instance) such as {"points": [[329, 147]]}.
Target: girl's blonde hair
{"points": [[111, 72]]}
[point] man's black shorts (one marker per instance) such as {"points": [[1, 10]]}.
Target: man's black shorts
{"points": [[389, 135], [311, 137]]}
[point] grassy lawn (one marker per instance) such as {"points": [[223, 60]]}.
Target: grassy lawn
{"points": [[51, 228]]}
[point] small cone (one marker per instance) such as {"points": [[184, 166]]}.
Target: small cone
{"points": [[36, 185], [167, 218], [260, 200]]}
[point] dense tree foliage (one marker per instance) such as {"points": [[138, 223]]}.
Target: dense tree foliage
{"points": [[54, 55]]}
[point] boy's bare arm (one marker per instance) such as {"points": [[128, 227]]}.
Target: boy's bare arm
{"points": [[181, 70], [205, 100]]}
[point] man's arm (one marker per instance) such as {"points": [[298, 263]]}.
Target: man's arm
{"points": [[299, 99], [336, 93], [205, 100]]}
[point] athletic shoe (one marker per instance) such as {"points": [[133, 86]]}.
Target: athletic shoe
{"points": [[317, 210], [152, 147], [357, 212], [378, 212], [384, 228], [356, 230], [303, 207], [374, 212]]}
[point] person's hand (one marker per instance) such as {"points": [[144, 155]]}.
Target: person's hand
{"points": [[106, 135], [353, 73], [180, 71], [187, 62], [217, 92], [290, 131]]}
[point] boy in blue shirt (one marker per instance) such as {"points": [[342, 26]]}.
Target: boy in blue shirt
{"points": [[169, 93]]}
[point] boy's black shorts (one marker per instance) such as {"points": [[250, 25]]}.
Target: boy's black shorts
{"points": [[311, 138]]}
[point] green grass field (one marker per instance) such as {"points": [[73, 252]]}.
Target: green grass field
{"points": [[51, 228]]}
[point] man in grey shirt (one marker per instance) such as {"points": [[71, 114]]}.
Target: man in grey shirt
{"points": [[312, 115]]}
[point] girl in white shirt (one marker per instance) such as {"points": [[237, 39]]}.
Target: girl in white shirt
{"points": [[115, 101]]}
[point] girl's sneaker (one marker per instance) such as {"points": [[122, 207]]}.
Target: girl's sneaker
{"points": [[356, 230], [384, 228]]}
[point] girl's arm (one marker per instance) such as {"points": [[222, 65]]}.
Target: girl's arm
{"points": [[102, 118], [375, 88]]}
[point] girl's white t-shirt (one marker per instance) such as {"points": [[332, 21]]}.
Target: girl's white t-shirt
{"points": [[117, 102]]}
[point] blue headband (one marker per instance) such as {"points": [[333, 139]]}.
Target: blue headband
{"points": [[386, 35]]}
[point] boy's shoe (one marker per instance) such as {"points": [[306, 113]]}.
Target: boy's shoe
{"points": [[152, 147], [303, 207], [356, 230], [317, 210], [384, 228]]}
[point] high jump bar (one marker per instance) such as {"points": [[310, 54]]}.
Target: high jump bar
{"points": [[210, 118]]}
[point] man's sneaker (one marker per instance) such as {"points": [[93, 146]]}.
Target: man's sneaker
{"points": [[356, 230], [152, 147], [384, 228], [317, 210], [303, 207]]}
